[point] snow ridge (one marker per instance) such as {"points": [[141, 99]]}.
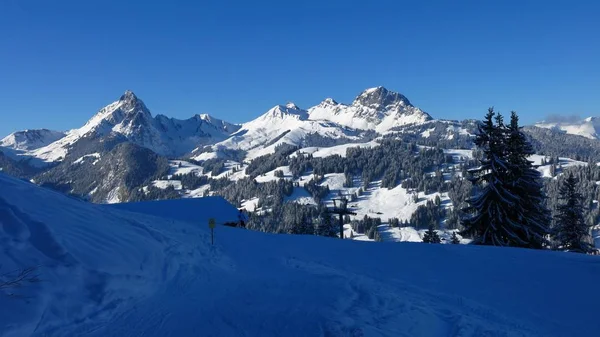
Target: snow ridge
{"points": [[588, 127], [30, 139]]}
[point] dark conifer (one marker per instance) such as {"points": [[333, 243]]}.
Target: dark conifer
{"points": [[571, 233], [488, 211], [431, 236], [529, 219]]}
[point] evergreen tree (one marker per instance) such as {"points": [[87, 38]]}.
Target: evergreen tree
{"points": [[529, 218], [488, 211], [303, 227], [326, 227], [510, 209], [454, 239], [571, 232], [431, 236]]}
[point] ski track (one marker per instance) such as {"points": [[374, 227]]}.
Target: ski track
{"points": [[373, 308]]}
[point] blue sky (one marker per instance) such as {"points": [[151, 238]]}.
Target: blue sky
{"points": [[61, 61]]}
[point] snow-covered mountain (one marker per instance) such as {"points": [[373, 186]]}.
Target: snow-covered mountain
{"points": [[129, 117], [376, 109], [284, 124], [589, 127], [30, 139]]}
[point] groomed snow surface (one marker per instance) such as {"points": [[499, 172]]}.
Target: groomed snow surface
{"points": [[148, 269]]}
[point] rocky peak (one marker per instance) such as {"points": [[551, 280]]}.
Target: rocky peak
{"points": [[379, 97]]}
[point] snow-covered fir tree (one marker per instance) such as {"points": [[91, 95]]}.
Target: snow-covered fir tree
{"points": [[487, 213], [570, 232], [431, 236], [509, 210], [530, 217]]}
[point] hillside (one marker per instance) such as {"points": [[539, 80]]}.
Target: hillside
{"points": [[110, 272]]}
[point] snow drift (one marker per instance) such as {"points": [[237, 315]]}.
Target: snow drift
{"points": [[119, 271]]}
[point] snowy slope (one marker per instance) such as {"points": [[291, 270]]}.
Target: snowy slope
{"points": [[374, 109], [589, 127], [116, 271], [339, 150], [281, 125]]}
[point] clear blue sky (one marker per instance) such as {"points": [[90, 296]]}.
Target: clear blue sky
{"points": [[61, 61]]}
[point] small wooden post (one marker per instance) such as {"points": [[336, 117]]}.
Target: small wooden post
{"points": [[211, 225]]}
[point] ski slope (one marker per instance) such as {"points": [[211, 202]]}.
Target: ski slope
{"points": [[148, 269]]}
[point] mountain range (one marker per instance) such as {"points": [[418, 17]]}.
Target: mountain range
{"points": [[374, 110], [130, 119], [393, 158]]}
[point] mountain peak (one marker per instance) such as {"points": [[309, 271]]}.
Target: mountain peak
{"points": [[379, 97], [128, 96], [285, 111], [591, 119], [291, 105], [329, 101]]}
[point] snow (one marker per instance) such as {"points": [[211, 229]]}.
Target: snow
{"points": [[427, 133], [228, 168], [400, 234], [410, 234], [30, 139], [91, 155], [148, 269], [184, 167], [351, 234], [197, 193], [377, 202], [250, 205], [589, 127], [340, 150], [113, 196], [457, 129], [370, 90], [166, 183], [458, 153], [270, 176], [205, 156], [301, 196], [562, 163]]}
